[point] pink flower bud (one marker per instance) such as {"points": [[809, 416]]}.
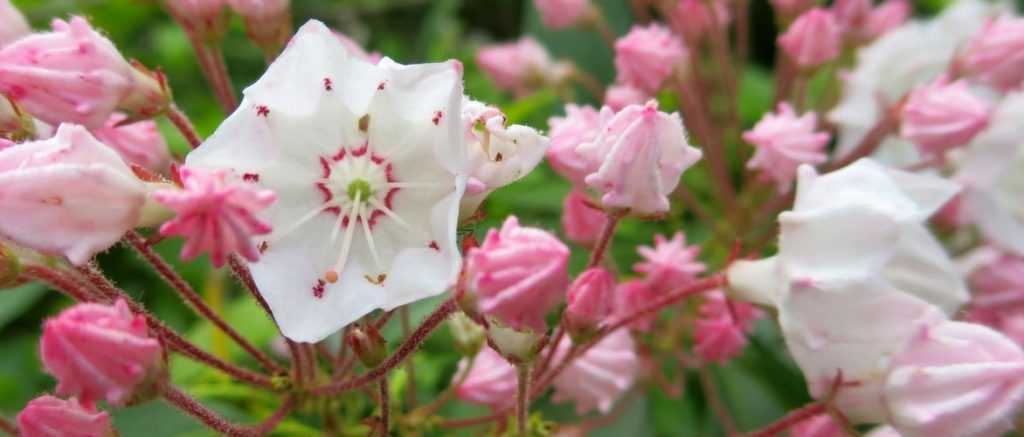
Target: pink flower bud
{"points": [[560, 14], [356, 50], [101, 351], [789, 9], [47, 416], [852, 15], [995, 56], [139, 143], [368, 344], [784, 141], [942, 115], [697, 21], [631, 296], [813, 39], [600, 376], [491, 380], [12, 23], [581, 221], [821, 425], [998, 283], [579, 125], [56, 185], [519, 66], [203, 20], [647, 55], [267, 22], [638, 158], [720, 333], [518, 274], [72, 74], [887, 16], [591, 300], [955, 378], [670, 263], [619, 96], [216, 213]]}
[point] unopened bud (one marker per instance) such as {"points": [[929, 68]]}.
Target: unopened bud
{"points": [[15, 124], [468, 335], [590, 303], [518, 347], [10, 267], [149, 95], [368, 345]]}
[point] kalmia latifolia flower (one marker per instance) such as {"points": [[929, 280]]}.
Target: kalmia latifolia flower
{"points": [[517, 275], [582, 221], [821, 425], [217, 212], [356, 50], [813, 39], [102, 352], [851, 15], [696, 20], [591, 300], [670, 263], [890, 15], [491, 380], [368, 164], [997, 282], [942, 115], [631, 296], [560, 14], [600, 376], [638, 157], [956, 378], [579, 125], [720, 331], [648, 55], [521, 66], [48, 416], [74, 74], [619, 96], [498, 154], [267, 22], [995, 56], [139, 142], [12, 23], [784, 141], [58, 185]]}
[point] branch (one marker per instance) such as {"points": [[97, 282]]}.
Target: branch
{"points": [[210, 418], [180, 121]]}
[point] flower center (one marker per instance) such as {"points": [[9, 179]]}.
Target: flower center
{"points": [[359, 189]]}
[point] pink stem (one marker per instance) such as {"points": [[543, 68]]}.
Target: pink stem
{"points": [[210, 418], [604, 240], [410, 368], [790, 419], [385, 406], [245, 277], [184, 125], [715, 401], [271, 422], [522, 398]]}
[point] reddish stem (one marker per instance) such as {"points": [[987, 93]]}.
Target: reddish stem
{"points": [[410, 345], [883, 127], [384, 399], [522, 398], [275, 419], [210, 418], [604, 240], [707, 383], [410, 368], [298, 362], [244, 276], [8, 427], [181, 121], [790, 419]]}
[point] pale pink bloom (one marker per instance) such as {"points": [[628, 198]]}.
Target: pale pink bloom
{"points": [[5, 143], [204, 20], [631, 296], [888, 16], [720, 332], [101, 351], [813, 39], [638, 158], [357, 50], [784, 141], [995, 56], [619, 96], [47, 416], [600, 376], [1013, 326], [518, 274], [647, 55], [72, 74], [12, 23], [74, 195], [591, 301], [883, 431], [821, 425], [942, 115], [582, 222], [852, 15], [217, 213], [139, 143], [519, 66], [956, 379], [559, 14], [789, 9], [998, 284], [267, 22], [696, 21], [579, 125], [491, 381], [670, 263]]}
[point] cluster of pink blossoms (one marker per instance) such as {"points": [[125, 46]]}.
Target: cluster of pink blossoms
{"points": [[337, 187]]}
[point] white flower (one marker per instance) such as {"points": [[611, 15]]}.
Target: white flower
{"points": [[856, 272], [993, 176], [910, 55], [498, 154], [368, 162]]}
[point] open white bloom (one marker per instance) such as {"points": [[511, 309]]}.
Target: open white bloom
{"points": [[992, 173], [888, 68], [498, 154], [368, 163], [856, 273]]}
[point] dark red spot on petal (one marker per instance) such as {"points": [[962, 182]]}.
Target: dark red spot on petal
{"points": [[251, 177], [262, 110], [328, 84], [262, 247], [318, 289], [438, 115], [380, 86], [435, 246]]}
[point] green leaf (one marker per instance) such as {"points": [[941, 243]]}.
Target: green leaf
{"points": [[15, 301]]}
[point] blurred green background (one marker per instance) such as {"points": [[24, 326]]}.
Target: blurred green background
{"points": [[758, 386]]}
